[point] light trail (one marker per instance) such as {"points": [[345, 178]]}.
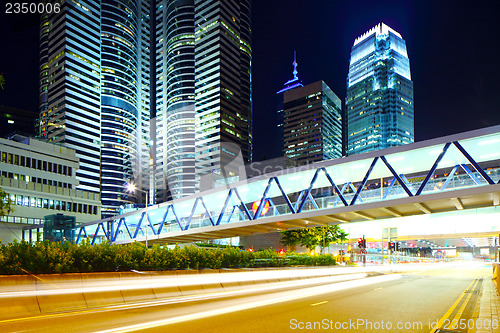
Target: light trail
{"points": [[289, 296], [200, 297], [151, 282]]}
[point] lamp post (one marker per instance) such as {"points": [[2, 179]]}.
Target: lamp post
{"points": [[131, 188]]}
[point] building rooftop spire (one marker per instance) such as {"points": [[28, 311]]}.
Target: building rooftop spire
{"points": [[294, 65], [295, 82]]}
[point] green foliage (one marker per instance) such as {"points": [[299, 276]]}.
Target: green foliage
{"points": [[6, 205], [2, 80], [312, 237], [52, 257]]}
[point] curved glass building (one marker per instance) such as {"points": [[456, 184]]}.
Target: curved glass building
{"points": [[379, 103], [124, 100], [203, 90], [175, 99], [95, 91]]}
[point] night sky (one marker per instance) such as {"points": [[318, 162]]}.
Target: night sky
{"points": [[453, 47]]}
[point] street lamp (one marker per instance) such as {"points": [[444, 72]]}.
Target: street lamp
{"points": [[132, 188]]}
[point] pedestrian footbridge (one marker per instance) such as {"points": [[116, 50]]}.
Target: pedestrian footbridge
{"points": [[457, 172]]}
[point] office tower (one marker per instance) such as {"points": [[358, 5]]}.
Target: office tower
{"points": [[312, 123], [70, 78], [223, 84], [125, 111], [94, 94], [379, 103], [175, 98], [293, 83], [203, 75]]}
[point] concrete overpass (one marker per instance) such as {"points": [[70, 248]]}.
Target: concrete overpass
{"points": [[454, 173]]}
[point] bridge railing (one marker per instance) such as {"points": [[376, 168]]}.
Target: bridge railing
{"points": [[319, 187], [379, 193]]}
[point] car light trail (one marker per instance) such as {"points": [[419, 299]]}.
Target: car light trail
{"points": [[288, 296]]}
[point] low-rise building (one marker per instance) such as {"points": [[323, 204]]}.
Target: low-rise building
{"points": [[40, 178]]}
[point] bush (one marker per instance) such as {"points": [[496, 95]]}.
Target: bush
{"points": [[50, 257]]}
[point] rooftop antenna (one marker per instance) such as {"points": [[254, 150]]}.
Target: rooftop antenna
{"points": [[294, 65]]}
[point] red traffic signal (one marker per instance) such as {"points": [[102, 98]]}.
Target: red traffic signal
{"points": [[362, 243]]}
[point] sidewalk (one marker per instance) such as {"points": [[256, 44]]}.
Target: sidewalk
{"points": [[489, 308]]}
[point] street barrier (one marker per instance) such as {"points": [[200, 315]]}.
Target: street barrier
{"points": [[138, 295], [61, 302], [496, 267], [166, 292], [19, 307], [104, 298], [27, 296], [18, 283]]}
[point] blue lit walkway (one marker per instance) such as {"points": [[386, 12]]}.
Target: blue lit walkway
{"points": [[451, 173]]}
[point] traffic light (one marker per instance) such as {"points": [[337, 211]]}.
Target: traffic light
{"points": [[362, 243], [398, 246], [391, 246]]}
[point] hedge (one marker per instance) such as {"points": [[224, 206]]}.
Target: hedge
{"points": [[51, 257]]}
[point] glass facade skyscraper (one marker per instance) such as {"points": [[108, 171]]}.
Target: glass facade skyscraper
{"points": [[125, 90], [175, 99], [95, 92], [96, 88], [379, 102], [312, 123], [223, 107], [203, 90], [70, 85]]}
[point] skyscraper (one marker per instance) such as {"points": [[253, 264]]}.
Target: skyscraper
{"points": [[70, 85], [379, 103], [312, 123], [293, 83], [223, 106], [203, 89], [125, 111], [95, 89], [175, 98]]}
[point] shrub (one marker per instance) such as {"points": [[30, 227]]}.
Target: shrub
{"points": [[50, 257]]}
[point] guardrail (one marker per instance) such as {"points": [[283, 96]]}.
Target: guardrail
{"points": [[27, 295], [496, 272]]}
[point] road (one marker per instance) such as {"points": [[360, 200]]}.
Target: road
{"points": [[410, 302]]}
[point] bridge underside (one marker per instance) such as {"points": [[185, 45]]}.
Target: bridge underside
{"points": [[484, 196]]}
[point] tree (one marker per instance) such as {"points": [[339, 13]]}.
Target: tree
{"points": [[6, 206], [2, 80], [312, 237]]}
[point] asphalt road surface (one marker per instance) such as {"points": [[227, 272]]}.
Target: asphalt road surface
{"points": [[443, 296]]}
